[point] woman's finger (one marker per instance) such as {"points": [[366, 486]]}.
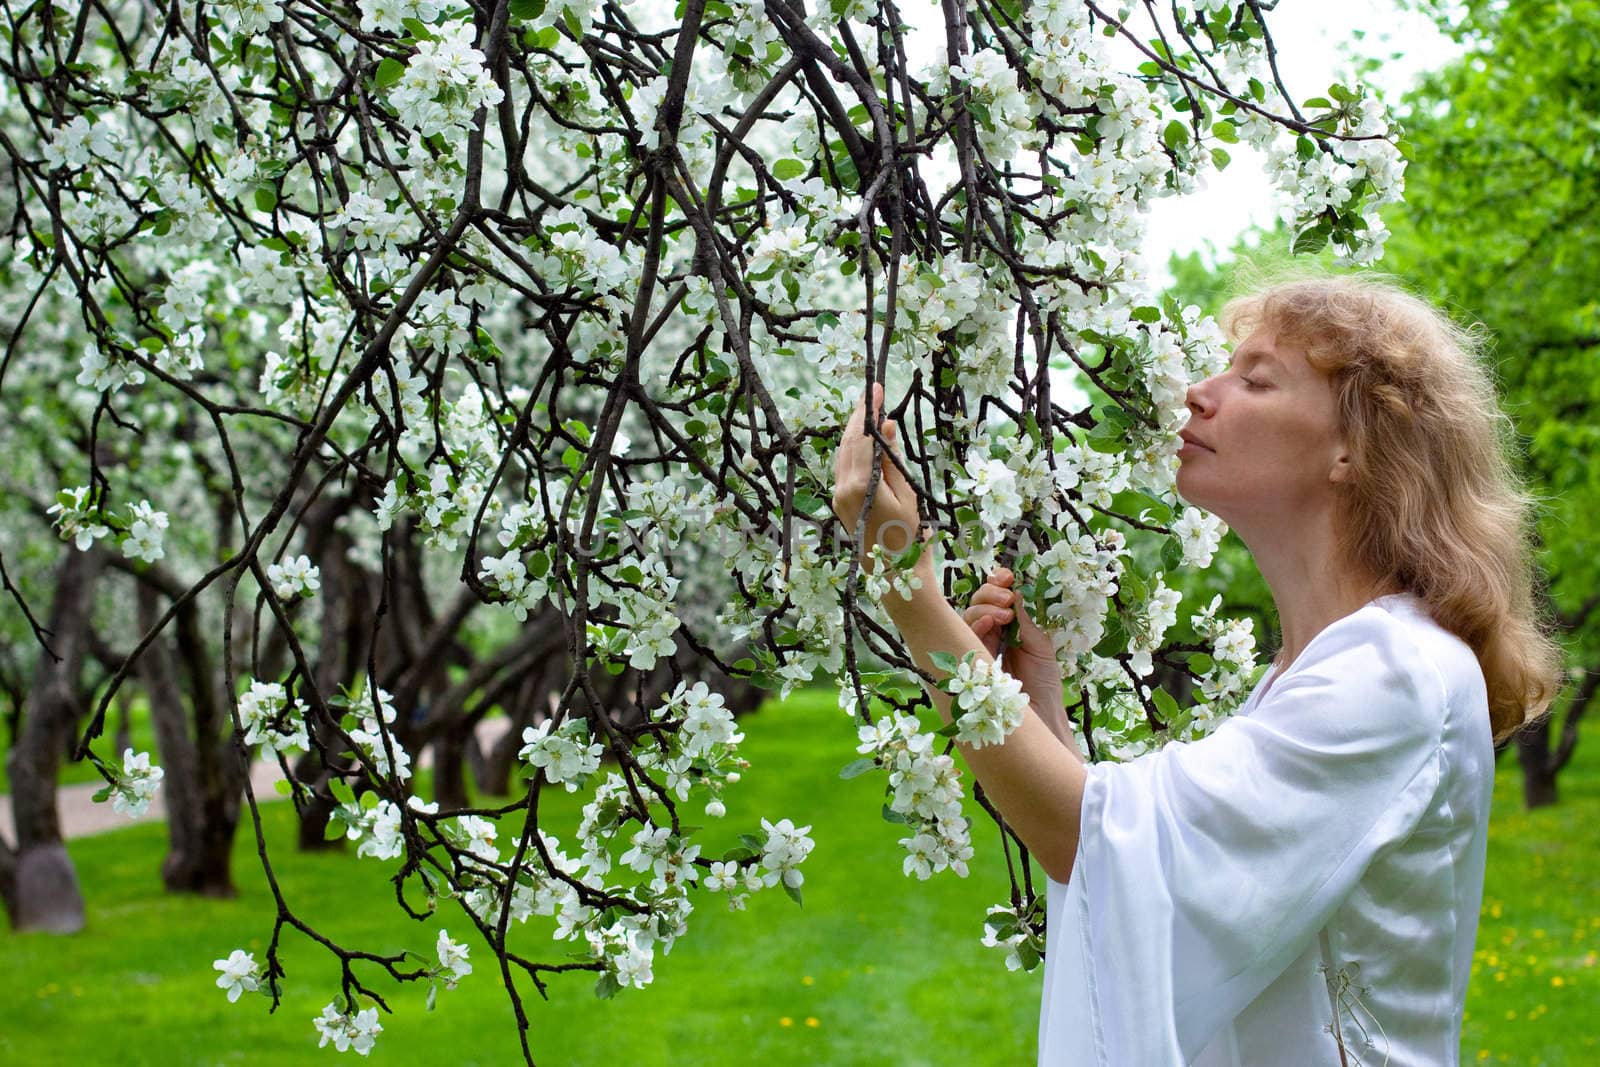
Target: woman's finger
{"points": [[984, 613]]}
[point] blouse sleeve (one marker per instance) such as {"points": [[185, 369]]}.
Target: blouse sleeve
{"points": [[1204, 869]]}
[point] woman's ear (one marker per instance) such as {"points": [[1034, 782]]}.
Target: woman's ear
{"points": [[1343, 469]]}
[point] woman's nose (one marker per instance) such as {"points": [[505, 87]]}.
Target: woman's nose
{"points": [[1199, 400]]}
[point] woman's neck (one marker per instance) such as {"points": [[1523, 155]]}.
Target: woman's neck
{"points": [[1312, 585]]}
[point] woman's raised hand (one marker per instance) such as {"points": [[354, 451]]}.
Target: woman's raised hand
{"points": [[1032, 660], [894, 519]]}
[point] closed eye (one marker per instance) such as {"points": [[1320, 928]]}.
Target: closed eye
{"points": [[1251, 383]]}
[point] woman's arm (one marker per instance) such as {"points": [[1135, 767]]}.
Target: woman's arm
{"points": [[1034, 779]]}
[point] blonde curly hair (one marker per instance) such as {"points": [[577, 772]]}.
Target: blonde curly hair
{"points": [[1434, 504]]}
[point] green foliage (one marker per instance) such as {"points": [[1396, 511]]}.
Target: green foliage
{"points": [[1502, 224]]}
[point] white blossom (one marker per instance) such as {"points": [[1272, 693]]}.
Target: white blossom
{"points": [[294, 578], [136, 785], [240, 974], [349, 1031], [453, 965]]}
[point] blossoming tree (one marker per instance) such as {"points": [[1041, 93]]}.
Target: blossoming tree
{"points": [[563, 304]]}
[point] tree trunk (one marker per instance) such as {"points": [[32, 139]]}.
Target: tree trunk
{"points": [[39, 883], [203, 773], [1538, 770], [1541, 764], [449, 777]]}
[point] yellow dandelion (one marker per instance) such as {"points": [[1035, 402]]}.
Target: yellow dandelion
{"points": [[1557, 981], [785, 1021], [811, 1021], [808, 980], [1483, 1054]]}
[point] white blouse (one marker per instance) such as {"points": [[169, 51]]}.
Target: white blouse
{"points": [[1308, 874]]}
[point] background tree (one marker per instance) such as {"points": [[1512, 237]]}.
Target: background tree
{"points": [[1503, 224]]}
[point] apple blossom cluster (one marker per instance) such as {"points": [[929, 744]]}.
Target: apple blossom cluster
{"points": [[294, 578], [989, 703], [566, 754], [1018, 931], [444, 83], [371, 736], [349, 1030], [80, 518], [1198, 533], [1233, 658], [134, 786], [924, 794], [271, 720], [1325, 184]]}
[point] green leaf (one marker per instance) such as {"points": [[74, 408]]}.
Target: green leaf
{"points": [[342, 791], [1171, 554], [784, 169], [1028, 955], [527, 10], [793, 891], [909, 557], [1176, 135], [1226, 131], [282, 787], [390, 71], [890, 815], [944, 661], [1220, 159], [433, 994], [266, 199], [104, 794], [1165, 704], [857, 768], [1312, 239], [607, 986]]}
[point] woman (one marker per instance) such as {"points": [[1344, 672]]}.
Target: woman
{"points": [[1301, 886]]}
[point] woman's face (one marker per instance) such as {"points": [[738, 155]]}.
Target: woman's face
{"points": [[1262, 443]]}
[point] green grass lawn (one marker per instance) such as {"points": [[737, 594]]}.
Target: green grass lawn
{"points": [[1535, 991], [876, 969]]}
